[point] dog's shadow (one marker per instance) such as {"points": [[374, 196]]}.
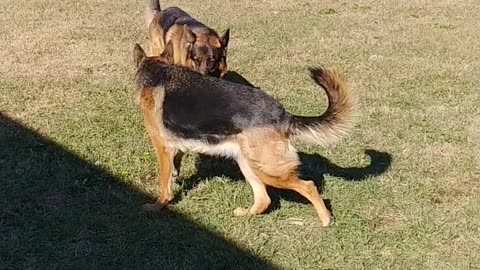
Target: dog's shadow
{"points": [[233, 76], [313, 167]]}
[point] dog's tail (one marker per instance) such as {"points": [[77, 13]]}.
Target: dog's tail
{"points": [[338, 119], [152, 8]]}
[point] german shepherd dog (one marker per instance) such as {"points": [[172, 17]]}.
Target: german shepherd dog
{"points": [[194, 45], [185, 111]]}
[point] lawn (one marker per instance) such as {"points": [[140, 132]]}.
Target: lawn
{"points": [[76, 164]]}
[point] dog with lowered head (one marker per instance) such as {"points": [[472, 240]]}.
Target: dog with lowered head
{"points": [[195, 45], [185, 111]]}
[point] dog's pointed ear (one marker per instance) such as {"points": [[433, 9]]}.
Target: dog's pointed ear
{"points": [[188, 34], [138, 55], [225, 38], [167, 53]]}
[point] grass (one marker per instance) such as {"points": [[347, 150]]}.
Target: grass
{"points": [[75, 163]]}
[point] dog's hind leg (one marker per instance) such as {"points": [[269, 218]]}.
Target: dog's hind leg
{"points": [[306, 188], [261, 198], [156, 46], [155, 36], [274, 161]]}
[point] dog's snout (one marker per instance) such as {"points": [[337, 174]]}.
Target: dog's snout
{"points": [[202, 68]]}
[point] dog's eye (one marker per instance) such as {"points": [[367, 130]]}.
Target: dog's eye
{"points": [[211, 64]]}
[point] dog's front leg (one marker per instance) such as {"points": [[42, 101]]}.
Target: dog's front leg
{"points": [[165, 156]]}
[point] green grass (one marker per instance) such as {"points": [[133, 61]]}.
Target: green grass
{"points": [[76, 164]]}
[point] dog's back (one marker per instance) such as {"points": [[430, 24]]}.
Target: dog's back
{"points": [[203, 107], [175, 15]]}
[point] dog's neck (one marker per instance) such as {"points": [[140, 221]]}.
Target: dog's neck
{"points": [[153, 72]]}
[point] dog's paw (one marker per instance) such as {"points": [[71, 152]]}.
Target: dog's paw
{"points": [[174, 175], [241, 211], [150, 207], [329, 222]]}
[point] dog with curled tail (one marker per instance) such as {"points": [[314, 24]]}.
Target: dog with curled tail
{"points": [[189, 112]]}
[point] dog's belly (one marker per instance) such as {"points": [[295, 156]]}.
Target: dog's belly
{"points": [[229, 149]]}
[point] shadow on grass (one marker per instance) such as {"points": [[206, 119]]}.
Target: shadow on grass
{"points": [[59, 212], [313, 167]]}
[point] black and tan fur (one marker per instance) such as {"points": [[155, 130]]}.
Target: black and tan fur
{"points": [[194, 45], [186, 111]]}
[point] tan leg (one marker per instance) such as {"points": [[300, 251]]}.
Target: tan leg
{"points": [[306, 188], [164, 158], [165, 155], [156, 41], [156, 48], [261, 198], [274, 161]]}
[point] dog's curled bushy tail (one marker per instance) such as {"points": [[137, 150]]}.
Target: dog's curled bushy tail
{"points": [[151, 9], [338, 119]]}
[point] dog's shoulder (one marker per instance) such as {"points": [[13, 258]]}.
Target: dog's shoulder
{"points": [[151, 74]]}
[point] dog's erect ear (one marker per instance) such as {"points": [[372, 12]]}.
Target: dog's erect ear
{"points": [[225, 38], [188, 34], [138, 55], [167, 53]]}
